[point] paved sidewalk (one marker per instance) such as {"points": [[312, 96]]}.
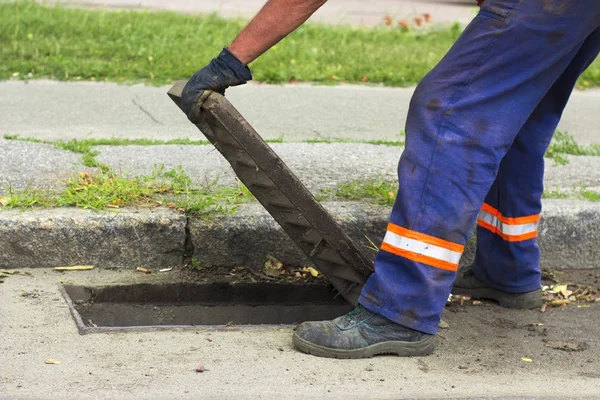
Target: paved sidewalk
{"points": [[480, 356], [354, 12], [57, 110]]}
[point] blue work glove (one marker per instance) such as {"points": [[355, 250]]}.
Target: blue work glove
{"points": [[224, 71]]}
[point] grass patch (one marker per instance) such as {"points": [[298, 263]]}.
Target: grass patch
{"points": [[375, 191], [108, 190], [562, 144], [160, 47], [555, 194], [590, 195]]}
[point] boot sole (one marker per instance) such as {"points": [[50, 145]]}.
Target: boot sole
{"points": [[529, 300], [402, 349]]}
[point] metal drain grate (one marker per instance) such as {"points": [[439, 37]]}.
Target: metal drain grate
{"points": [[276, 187]]}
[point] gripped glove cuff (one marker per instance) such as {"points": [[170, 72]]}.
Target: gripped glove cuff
{"points": [[222, 72]]}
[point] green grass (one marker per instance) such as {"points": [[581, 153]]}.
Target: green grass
{"points": [[562, 144], [109, 190], [590, 195], [160, 47], [555, 194], [375, 191]]}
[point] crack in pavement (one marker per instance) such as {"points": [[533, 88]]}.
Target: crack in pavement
{"points": [[138, 105]]}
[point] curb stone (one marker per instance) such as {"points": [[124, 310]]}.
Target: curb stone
{"points": [[70, 236], [569, 236]]}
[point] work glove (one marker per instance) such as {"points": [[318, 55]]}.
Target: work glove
{"points": [[224, 71]]}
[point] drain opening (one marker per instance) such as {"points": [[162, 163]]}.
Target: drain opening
{"points": [[181, 305]]}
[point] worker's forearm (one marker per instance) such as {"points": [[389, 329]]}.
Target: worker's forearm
{"points": [[275, 21]]}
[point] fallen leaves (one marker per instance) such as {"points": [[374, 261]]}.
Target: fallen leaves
{"points": [[273, 267], [560, 295], [311, 271], [276, 269], [74, 268]]}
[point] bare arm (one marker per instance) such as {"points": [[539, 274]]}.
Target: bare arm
{"points": [[275, 20]]}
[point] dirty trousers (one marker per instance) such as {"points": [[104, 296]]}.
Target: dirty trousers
{"points": [[477, 129]]}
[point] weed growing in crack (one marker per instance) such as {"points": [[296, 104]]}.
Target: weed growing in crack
{"points": [[562, 143], [374, 190]]}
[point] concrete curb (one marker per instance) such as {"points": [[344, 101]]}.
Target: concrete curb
{"points": [[60, 237], [569, 236]]}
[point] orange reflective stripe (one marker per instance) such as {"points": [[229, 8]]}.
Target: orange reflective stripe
{"points": [[510, 220], [434, 262], [398, 230], [508, 238]]}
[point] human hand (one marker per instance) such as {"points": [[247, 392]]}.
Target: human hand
{"points": [[222, 72]]}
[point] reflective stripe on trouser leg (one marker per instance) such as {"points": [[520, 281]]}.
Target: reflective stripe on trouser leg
{"points": [[513, 265], [509, 229], [463, 118]]}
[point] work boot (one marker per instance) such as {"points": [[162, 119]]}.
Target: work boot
{"points": [[467, 284], [361, 334]]}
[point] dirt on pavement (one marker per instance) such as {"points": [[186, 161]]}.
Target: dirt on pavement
{"points": [[488, 351]]}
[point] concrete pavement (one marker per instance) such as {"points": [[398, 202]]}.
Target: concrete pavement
{"points": [[294, 112], [354, 12], [480, 356], [71, 110]]}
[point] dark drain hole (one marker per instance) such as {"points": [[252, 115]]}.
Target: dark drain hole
{"points": [[187, 304]]}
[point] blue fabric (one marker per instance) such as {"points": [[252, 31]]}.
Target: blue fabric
{"points": [[480, 122]]}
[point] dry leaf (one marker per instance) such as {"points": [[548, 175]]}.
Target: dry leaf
{"points": [[427, 17], [558, 288], [52, 361], [418, 20], [311, 271], [566, 293], [4, 201], [404, 24], [273, 266], [144, 270], [388, 20], [74, 268]]}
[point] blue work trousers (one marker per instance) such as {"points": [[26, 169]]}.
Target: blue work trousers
{"points": [[477, 129]]}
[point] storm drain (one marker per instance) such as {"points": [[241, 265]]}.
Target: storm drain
{"points": [[188, 305]]}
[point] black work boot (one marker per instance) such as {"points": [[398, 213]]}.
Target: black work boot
{"points": [[466, 283], [361, 334]]}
